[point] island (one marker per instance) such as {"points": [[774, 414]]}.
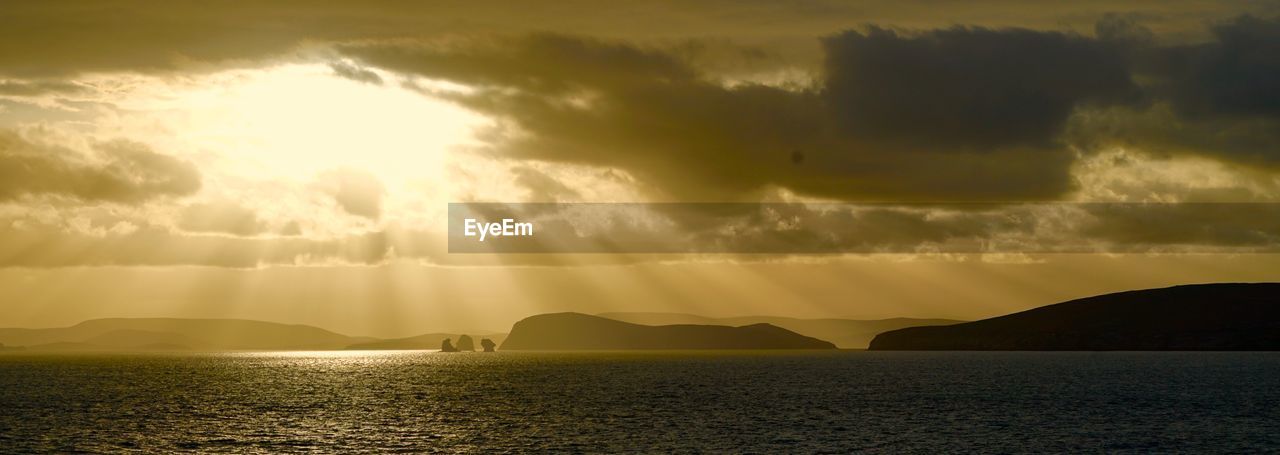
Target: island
{"points": [[177, 334], [465, 343], [1206, 317], [424, 342], [577, 331], [845, 333]]}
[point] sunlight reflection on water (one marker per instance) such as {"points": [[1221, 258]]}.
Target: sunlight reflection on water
{"points": [[350, 354], [418, 401]]}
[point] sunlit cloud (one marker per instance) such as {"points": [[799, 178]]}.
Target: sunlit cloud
{"points": [[267, 162]]}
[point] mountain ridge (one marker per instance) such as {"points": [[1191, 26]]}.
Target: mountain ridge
{"points": [[1217, 316], [844, 333], [577, 331], [115, 334]]}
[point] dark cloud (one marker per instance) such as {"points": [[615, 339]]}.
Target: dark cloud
{"points": [[38, 38], [969, 88], [1237, 74], [1219, 99], [612, 104], [1141, 226], [131, 35], [120, 171], [1123, 28], [644, 110], [961, 113], [357, 192], [544, 63], [1160, 130]]}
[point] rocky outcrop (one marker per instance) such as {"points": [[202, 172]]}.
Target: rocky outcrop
{"points": [[487, 344], [466, 344], [447, 346]]}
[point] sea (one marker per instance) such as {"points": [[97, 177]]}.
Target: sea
{"points": [[647, 402]]}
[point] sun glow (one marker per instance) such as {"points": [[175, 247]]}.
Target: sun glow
{"points": [[282, 140], [298, 120]]}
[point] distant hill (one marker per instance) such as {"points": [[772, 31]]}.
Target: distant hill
{"points": [[1193, 318], [179, 334], [845, 333], [428, 341], [576, 331]]}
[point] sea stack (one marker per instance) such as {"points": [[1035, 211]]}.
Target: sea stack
{"points": [[447, 346], [466, 344], [487, 344]]}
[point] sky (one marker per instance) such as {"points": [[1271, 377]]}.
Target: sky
{"points": [[294, 161]]}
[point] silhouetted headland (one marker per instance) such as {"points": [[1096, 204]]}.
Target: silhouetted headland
{"points": [[845, 333], [576, 331], [178, 334], [1207, 317]]}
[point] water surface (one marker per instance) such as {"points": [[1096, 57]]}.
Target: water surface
{"points": [[381, 402]]}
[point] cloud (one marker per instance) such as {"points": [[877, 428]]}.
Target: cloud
{"points": [[784, 228], [695, 113], [1237, 74], [357, 192], [220, 217], [103, 238], [1159, 129], [972, 112], [124, 35], [689, 137], [543, 187], [958, 113], [970, 88], [79, 36], [32, 244], [38, 87], [1139, 226], [355, 73], [1218, 99], [119, 171]]}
